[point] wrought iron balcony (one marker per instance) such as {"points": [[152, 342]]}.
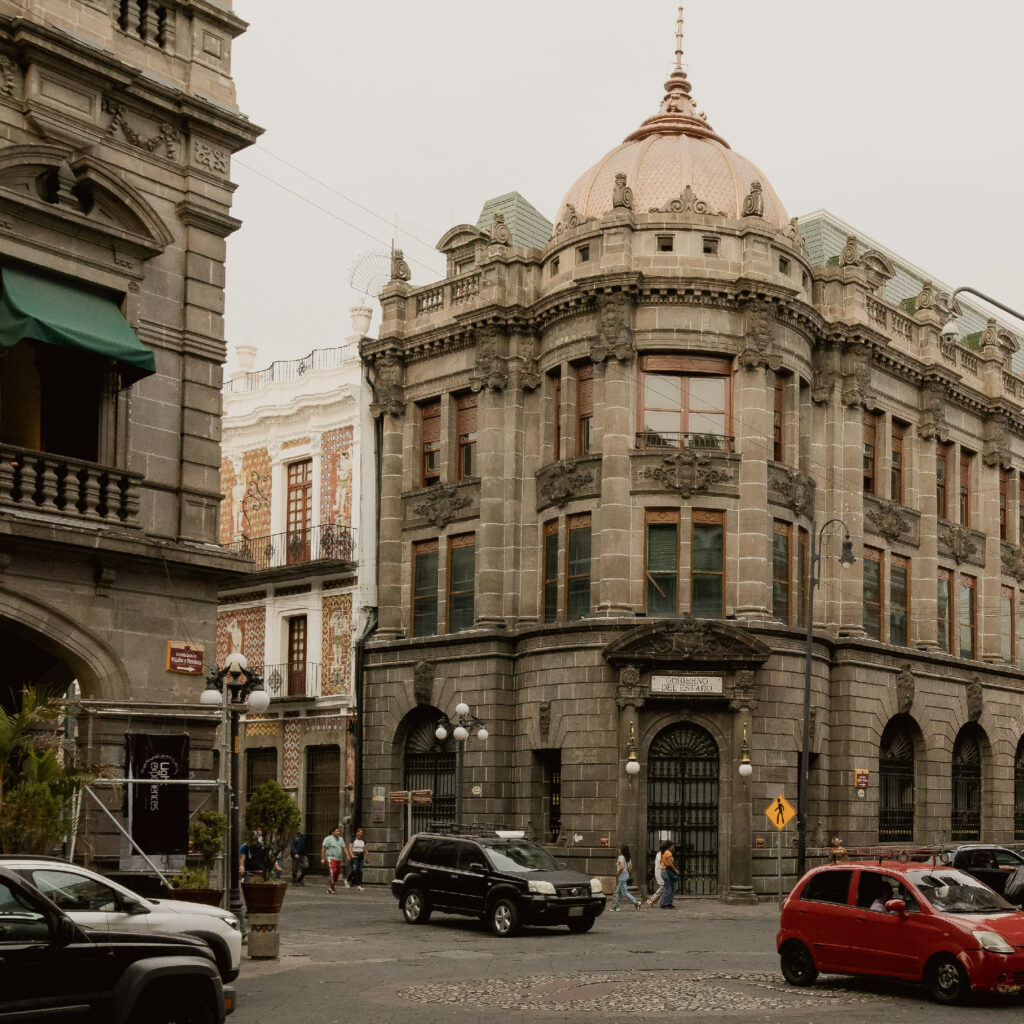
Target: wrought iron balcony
{"points": [[82, 491], [303, 679], [294, 547], [665, 439]]}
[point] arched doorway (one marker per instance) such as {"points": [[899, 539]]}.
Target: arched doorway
{"points": [[429, 763], [896, 782], [682, 804], [965, 824]]}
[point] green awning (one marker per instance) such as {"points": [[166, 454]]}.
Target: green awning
{"points": [[50, 311]]}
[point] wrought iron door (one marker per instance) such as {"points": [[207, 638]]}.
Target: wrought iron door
{"points": [[966, 819], [430, 764], [682, 805], [896, 785], [324, 786]]}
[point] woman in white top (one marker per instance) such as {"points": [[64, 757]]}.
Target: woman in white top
{"points": [[659, 882], [623, 866]]}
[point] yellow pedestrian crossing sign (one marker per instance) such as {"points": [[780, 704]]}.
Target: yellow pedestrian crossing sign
{"points": [[780, 812]]}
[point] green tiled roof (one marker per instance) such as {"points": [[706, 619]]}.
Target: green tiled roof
{"points": [[529, 227]]}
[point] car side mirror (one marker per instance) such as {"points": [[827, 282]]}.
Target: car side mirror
{"points": [[65, 932], [896, 907], [477, 868], [134, 907], [561, 865]]}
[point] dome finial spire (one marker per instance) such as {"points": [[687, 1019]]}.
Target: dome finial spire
{"points": [[679, 39]]}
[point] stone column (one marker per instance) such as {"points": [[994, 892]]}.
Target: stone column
{"points": [[631, 788], [612, 531], [843, 588], [990, 581], [752, 425], [741, 882], [924, 584]]}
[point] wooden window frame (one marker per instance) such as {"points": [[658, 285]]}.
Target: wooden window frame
{"points": [[897, 463], [904, 563], [584, 409], [556, 434], [966, 467], [298, 510], [778, 418], [660, 517], [945, 576], [704, 517], [970, 584], [420, 549], [574, 524], [1008, 593], [875, 556], [298, 640], [459, 542], [549, 571], [942, 480], [870, 453], [430, 442], [685, 367], [783, 580], [466, 427], [1004, 502], [1020, 509], [803, 569]]}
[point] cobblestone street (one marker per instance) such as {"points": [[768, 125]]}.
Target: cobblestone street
{"points": [[352, 955]]}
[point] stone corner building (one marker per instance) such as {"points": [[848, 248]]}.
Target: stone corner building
{"points": [[602, 460], [117, 126]]}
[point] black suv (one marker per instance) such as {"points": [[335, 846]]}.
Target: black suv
{"points": [[1000, 869], [50, 969], [507, 882]]}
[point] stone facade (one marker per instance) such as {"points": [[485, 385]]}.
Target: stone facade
{"points": [[117, 126], [645, 427]]}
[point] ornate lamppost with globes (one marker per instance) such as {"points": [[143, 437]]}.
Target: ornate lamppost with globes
{"points": [[235, 688], [464, 723]]}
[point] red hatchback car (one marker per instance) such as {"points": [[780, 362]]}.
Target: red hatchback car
{"points": [[921, 922]]}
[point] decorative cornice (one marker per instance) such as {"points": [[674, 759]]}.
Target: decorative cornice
{"points": [[697, 640], [686, 202]]}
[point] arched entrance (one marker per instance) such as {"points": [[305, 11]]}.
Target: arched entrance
{"points": [[429, 763], [896, 782], [682, 804], [965, 825]]}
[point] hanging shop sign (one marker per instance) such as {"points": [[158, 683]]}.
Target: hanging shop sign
{"points": [[185, 658]]}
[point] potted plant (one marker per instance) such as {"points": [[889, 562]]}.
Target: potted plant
{"points": [[270, 813], [192, 884]]}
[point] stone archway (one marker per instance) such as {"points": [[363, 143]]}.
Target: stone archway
{"points": [[428, 763]]}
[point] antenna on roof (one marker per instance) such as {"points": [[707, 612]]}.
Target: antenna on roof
{"points": [[679, 39]]}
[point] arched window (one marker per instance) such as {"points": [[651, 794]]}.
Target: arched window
{"points": [[896, 783], [1018, 792], [966, 820], [682, 804], [429, 763]]}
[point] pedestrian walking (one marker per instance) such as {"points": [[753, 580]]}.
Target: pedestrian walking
{"points": [[332, 850], [670, 876], [659, 882], [623, 866], [300, 862], [357, 860]]}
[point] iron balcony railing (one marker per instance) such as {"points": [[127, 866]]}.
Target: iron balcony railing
{"points": [[665, 439], [293, 369], [293, 547], [293, 679]]}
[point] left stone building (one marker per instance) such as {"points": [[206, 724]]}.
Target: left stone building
{"points": [[117, 125]]}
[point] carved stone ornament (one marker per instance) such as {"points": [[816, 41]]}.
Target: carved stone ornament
{"points": [[544, 717], [793, 233], [857, 383], [399, 268], [887, 519], [441, 505], [1013, 561], [753, 201], [905, 690], [622, 194], [933, 412], [975, 699], [759, 342], [997, 438], [689, 638], [529, 377], [570, 219], [850, 256], [685, 472], [744, 691], [795, 488], [615, 332], [629, 692], [500, 233], [958, 542], [8, 75], [561, 481], [423, 682], [823, 385], [686, 202], [926, 297], [388, 388], [491, 369], [167, 135]]}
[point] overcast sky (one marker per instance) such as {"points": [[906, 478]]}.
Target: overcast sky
{"points": [[901, 117]]}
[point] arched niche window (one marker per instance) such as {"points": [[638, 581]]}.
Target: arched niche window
{"points": [[896, 782], [429, 763], [965, 824]]}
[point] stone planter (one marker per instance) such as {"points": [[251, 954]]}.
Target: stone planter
{"points": [[209, 897], [264, 897], [264, 938]]}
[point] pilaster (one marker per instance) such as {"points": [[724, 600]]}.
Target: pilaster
{"points": [[752, 424]]}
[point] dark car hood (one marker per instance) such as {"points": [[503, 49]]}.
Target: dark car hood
{"points": [[168, 944], [558, 878]]}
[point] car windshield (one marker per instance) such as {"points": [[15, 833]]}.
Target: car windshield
{"points": [[953, 892], [520, 856]]}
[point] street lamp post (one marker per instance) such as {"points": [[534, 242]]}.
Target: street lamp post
{"points": [[845, 559], [234, 688], [949, 330], [464, 722]]}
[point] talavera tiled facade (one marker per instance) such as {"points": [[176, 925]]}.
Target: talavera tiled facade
{"points": [[602, 462]]}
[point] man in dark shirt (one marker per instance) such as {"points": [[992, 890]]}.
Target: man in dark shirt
{"points": [[300, 862]]}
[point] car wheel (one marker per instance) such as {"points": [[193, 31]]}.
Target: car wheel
{"points": [[797, 964], [415, 907], [578, 925], [504, 918], [947, 980]]}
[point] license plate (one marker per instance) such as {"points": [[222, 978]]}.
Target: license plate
{"points": [[575, 911]]}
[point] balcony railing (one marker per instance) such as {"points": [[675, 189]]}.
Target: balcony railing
{"points": [[663, 439], [83, 491], [297, 546], [303, 679], [293, 369]]}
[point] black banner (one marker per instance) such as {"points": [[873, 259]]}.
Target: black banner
{"points": [[158, 814]]}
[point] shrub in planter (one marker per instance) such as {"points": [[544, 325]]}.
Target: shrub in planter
{"points": [[192, 883], [271, 813]]}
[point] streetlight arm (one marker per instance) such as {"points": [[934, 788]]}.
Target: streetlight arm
{"points": [[816, 553], [987, 298]]}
